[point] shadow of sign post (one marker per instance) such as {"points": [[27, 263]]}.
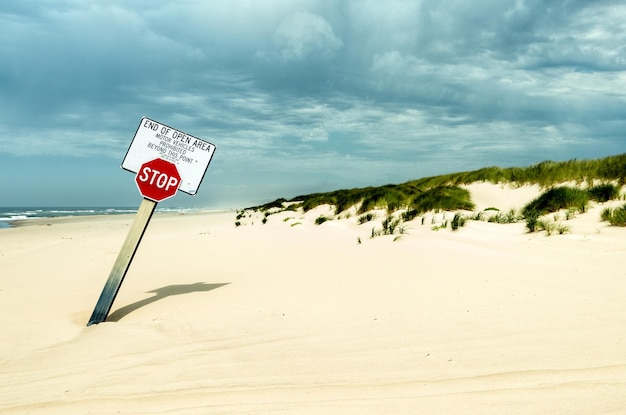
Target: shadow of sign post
{"points": [[161, 293]]}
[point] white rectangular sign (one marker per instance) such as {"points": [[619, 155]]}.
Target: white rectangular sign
{"points": [[190, 154]]}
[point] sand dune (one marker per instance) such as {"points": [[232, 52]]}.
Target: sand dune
{"points": [[291, 317]]}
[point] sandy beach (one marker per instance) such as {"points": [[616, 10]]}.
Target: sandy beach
{"points": [[290, 317]]}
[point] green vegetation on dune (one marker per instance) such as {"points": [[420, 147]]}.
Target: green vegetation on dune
{"points": [[574, 200], [557, 198], [545, 174], [443, 192], [571, 198], [565, 197], [392, 198], [616, 217], [443, 198], [603, 192]]}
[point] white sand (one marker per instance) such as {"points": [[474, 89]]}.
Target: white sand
{"points": [[301, 319]]}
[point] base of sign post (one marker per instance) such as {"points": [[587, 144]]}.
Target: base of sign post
{"points": [[122, 263]]}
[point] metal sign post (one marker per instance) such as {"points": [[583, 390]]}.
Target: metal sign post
{"points": [[122, 263]]}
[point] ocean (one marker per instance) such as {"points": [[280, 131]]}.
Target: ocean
{"points": [[8, 215]]}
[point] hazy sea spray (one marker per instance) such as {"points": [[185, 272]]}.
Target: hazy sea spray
{"points": [[8, 215]]}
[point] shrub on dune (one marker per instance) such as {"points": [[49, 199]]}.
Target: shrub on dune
{"points": [[321, 219], [603, 192], [557, 198], [447, 198], [616, 217]]}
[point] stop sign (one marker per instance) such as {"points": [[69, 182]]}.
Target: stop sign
{"points": [[158, 179]]}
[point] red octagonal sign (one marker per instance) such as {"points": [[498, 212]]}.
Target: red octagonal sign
{"points": [[158, 179]]}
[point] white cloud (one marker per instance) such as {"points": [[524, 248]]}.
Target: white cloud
{"points": [[390, 63], [314, 134], [303, 36]]}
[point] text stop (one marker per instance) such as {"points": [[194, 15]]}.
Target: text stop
{"points": [[158, 179], [154, 177]]}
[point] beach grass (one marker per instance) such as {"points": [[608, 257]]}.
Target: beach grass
{"points": [[321, 219], [509, 217], [458, 221], [367, 217], [615, 216], [443, 192], [572, 199], [547, 173], [556, 198], [603, 192], [597, 180]]}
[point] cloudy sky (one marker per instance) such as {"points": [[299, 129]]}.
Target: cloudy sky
{"points": [[302, 96]]}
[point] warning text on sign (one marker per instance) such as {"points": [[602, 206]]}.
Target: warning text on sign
{"points": [[190, 154]]}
